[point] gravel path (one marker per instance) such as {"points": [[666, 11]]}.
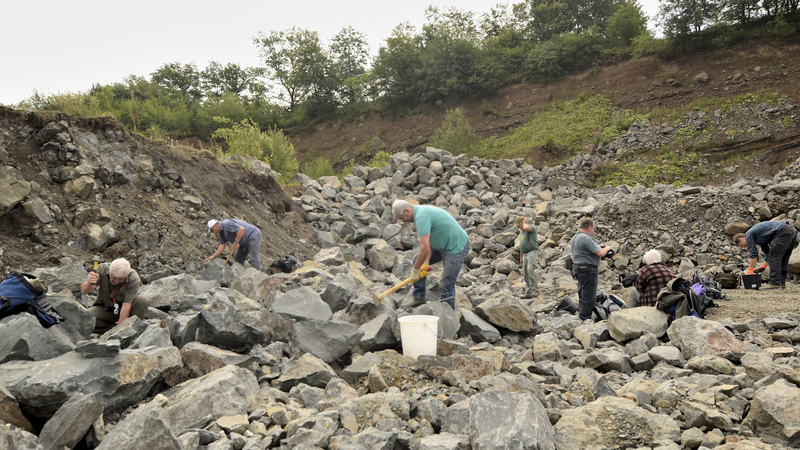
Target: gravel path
{"points": [[747, 304]]}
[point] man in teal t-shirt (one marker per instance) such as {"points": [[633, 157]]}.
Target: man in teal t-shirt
{"points": [[441, 238]]}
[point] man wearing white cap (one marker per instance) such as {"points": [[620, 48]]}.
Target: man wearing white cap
{"points": [[246, 240]]}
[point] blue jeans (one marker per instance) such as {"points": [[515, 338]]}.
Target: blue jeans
{"points": [[587, 290], [452, 266]]}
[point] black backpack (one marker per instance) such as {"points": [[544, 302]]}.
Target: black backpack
{"points": [[628, 279], [713, 288], [22, 292], [286, 264], [607, 304]]}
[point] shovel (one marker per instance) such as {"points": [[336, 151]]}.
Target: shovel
{"points": [[377, 298]]}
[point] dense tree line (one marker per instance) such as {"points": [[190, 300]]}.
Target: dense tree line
{"points": [[455, 55]]}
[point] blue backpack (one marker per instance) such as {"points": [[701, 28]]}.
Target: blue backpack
{"points": [[22, 292]]}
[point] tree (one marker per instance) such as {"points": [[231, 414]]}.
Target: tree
{"points": [[230, 78], [682, 17], [179, 78], [296, 60], [546, 19], [741, 11], [627, 23], [349, 52], [396, 65]]}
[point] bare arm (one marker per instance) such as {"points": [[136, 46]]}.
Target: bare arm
{"points": [[239, 235], [125, 312], [424, 251], [603, 250], [219, 251], [90, 283]]}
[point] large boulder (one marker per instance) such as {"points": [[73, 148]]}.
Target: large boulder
{"points": [[631, 323], [775, 414], [613, 423], [696, 337], [501, 420]]}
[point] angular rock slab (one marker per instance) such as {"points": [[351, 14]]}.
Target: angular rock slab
{"points": [[775, 414], [611, 423], [631, 323], [224, 392], [327, 340], [697, 337], [146, 428], [502, 420], [71, 422], [301, 304], [41, 387], [308, 369], [506, 311]]}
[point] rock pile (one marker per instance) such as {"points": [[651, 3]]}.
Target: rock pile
{"points": [[72, 188], [233, 358]]}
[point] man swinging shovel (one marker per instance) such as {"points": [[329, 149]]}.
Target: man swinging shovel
{"points": [[423, 272]]}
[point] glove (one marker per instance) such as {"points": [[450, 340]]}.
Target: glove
{"points": [[417, 275], [749, 271], [762, 268]]}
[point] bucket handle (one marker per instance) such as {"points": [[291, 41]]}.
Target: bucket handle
{"points": [[435, 332]]}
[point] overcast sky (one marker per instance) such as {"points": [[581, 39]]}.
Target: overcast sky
{"points": [[66, 46]]}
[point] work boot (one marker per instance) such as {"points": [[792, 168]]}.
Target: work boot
{"points": [[783, 285], [767, 287]]}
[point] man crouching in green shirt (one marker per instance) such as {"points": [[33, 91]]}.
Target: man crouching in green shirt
{"points": [[441, 238], [529, 255]]}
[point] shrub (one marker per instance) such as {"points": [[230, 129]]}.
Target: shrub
{"points": [[318, 167], [456, 135], [246, 139], [381, 159], [646, 45]]}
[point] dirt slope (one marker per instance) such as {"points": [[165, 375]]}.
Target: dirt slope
{"points": [[644, 84], [159, 218]]}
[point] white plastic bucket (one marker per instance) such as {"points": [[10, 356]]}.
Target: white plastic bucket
{"points": [[419, 335]]}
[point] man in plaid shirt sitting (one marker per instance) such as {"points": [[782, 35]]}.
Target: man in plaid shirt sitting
{"points": [[652, 278]]}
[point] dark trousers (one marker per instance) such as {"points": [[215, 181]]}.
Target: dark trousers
{"points": [[780, 249], [250, 248], [105, 319], [587, 289]]}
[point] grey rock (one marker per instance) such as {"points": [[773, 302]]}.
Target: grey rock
{"points": [[71, 422], [25, 339], [696, 337], [98, 349], [301, 304], [327, 340], [494, 419]]}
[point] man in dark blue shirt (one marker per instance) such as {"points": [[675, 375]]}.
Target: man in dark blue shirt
{"points": [[777, 239], [246, 240]]}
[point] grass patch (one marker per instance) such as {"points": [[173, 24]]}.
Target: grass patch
{"points": [[666, 167], [490, 110], [566, 126]]}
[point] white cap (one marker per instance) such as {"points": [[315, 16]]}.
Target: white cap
{"points": [[211, 223]]}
